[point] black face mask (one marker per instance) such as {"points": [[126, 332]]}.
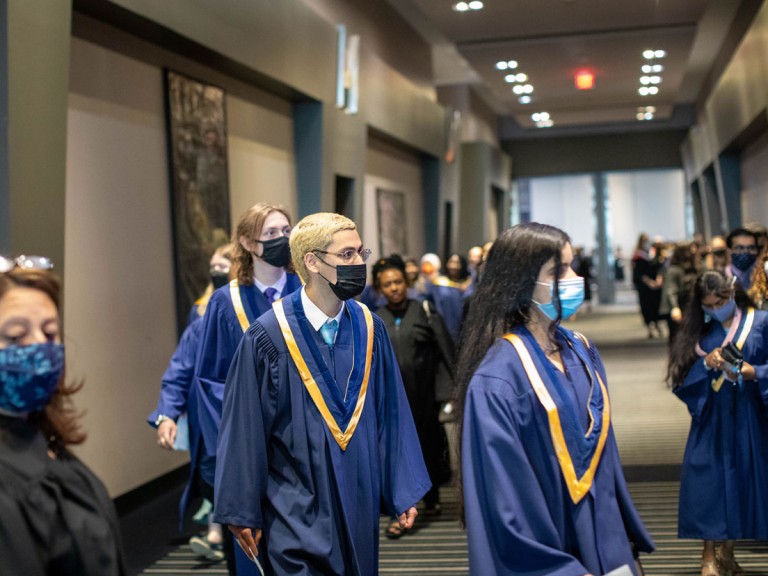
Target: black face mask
{"points": [[219, 279], [350, 279], [276, 252]]}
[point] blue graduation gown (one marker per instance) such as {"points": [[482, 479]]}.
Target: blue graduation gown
{"points": [[220, 337], [449, 302], [281, 469], [724, 481], [520, 516]]}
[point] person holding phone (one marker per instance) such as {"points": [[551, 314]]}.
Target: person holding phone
{"points": [[719, 368]]}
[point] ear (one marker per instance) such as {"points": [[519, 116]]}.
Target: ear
{"points": [[311, 262], [246, 244]]}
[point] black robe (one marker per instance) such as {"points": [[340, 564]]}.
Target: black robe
{"points": [[55, 516]]}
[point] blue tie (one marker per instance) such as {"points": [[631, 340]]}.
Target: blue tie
{"points": [[328, 331], [270, 293]]}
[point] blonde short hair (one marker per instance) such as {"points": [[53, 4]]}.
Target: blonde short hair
{"points": [[315, 232]]}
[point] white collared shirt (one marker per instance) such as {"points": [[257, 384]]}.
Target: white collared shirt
{"points": [[316, 316], [279, 285]]}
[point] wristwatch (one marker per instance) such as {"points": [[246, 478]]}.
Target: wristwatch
{"points": [[162, 418]]}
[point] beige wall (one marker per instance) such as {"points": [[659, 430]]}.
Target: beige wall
{"points": [[754, 181], [119, 304], [392, 168]]}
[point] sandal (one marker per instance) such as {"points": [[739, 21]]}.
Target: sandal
{"points": [[394, 531], [710, 568]]}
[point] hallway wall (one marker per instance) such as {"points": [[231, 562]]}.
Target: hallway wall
{"points": [[754, 181], [119, 287]]}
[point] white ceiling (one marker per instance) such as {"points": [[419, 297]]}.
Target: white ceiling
{"points": [[552, 39]]}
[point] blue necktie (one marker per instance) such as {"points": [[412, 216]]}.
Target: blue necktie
{"points": [[270, 294], [328, 331]]}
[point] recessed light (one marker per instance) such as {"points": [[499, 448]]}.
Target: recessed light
{"points": [[653, 90], [656, 68], [512, 64], [647, 54], [461, 6], [528, 89], [659, 54], [518, 89], [640, 115], [511, 78], [655, 79], [502, 65], [521, 77], [524, 99], [477, 5], [645, 80], [643, 90], [540, 116], [647, 68], [465, 6]]}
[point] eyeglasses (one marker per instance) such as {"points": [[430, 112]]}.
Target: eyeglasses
{"points": [[26, 262], [348, 256], [743, 249]]}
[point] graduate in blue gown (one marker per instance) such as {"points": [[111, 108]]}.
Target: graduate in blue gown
{"points": [[316, 431], [261, 256], [542, 485], [179, 398], [724, 481]]}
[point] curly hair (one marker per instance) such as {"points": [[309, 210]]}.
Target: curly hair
{"points": [[59, 422], [758, 291]]}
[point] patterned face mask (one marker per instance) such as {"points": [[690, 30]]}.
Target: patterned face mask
{"points": [[29, 376]]}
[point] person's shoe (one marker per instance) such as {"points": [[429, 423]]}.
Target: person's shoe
{"points": [[201, 546], [728, 565], [710, 568]]}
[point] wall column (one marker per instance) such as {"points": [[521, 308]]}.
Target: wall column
{"points": [[34, 84]]}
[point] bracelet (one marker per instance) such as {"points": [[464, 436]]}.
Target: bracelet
{"points": [[705, 363], [162, 418]]}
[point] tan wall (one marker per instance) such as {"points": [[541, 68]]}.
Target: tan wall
{"points": [[119, 304]]}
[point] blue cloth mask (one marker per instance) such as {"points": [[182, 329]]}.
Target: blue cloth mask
{"points": [[722, 314], [571, 293], [29, 376], [743, 261]]}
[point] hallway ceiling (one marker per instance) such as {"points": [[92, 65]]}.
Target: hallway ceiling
{"points": [[552, 40]]}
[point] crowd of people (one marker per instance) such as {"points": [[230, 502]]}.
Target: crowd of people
{"points": [[313, 397]]}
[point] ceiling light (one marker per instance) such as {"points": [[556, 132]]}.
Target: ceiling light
{"points": [[645, 80], [648, 116], [512, 64], [653, 90], [501, 65], [521, 77], [464, 6], [528, 89], [651, 109], [540, 116], [545, 124], [647, 68], [655, 79], [524, 99], [510, 78], [656, 54], [657, 68], [640, 116], [643, 90], [518, 89], [647, 54]]}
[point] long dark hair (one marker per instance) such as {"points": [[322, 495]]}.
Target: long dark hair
{"points": [[683, 352], [503, 299], [59, 422]]}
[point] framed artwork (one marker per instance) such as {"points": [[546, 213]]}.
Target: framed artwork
{"points": [[197, 145], [391, 211]]}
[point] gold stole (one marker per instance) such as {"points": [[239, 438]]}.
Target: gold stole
{"points": [[237, 304], [577, 487], [342, 437], [718, 382]]}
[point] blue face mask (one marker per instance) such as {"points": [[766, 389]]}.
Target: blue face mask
{"points": [[571, 293], [743, 261], [29, 376], [722, 314]]}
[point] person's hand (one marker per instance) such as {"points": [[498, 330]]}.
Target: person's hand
{"points": [[714, 361], [407, 518], [248, 539], [676, 314], [166, 434], [748, 372]]}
